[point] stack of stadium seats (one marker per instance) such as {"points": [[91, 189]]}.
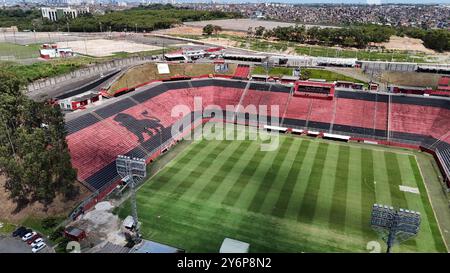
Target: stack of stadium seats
{"points": [[415, 119], [224, 96], [242, 71], [260, 96], [137, 126]]}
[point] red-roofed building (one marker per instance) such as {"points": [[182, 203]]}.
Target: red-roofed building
{"points": [[444, 81], [440, 93], [444, 84], [214, 49]]}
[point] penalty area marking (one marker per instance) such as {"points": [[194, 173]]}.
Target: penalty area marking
{"points": [[409, 189]]}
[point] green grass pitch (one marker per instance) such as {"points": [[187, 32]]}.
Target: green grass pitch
{"points": [[309, 195]]}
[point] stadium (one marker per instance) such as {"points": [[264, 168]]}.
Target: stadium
{"points": [[339, 153]]}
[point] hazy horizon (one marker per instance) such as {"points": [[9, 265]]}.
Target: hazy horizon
{"points": [[412, 2]]}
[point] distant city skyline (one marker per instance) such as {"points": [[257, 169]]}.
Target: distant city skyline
{"points": [[328, 1], [276, 1]]}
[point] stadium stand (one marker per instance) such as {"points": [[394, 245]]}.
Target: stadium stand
{"points": [[242, 71], [262, 95], [140, 123]]}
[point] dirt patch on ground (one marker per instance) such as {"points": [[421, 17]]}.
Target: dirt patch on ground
{"points": [[101, 225], [35, 210], [407, 44], [188, 30], [221, 41], [244, 23], [104, 47], [148, 72], [290, 51]]}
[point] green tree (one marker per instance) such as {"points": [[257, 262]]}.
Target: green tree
{"points": [[438, 40], [249, 32], [259, 31], [34, 155], [208, 29]]}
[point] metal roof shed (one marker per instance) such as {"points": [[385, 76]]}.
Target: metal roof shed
{"points": [[154, 247]]}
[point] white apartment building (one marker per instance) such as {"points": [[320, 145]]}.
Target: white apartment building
{"points": [[56, 13]]}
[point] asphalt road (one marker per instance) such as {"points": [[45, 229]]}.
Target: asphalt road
{"points": [[43, 94], [9, 244], [13, 245]]}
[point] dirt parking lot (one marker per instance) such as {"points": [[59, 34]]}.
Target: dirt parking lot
{"points": [[104, 47], [243, 24], [195, 30]]}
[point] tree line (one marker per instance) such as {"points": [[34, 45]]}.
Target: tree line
{"points": [[158, 16], [34, 155], [141, 19], [359, 36]]}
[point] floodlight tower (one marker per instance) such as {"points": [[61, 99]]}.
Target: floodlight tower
{"points": [[394, 226], [267, 65], [133, 170]]}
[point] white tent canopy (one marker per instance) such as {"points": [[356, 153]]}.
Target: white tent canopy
{"points": [[298, 131], [234, 246], [342, 137], [276, 128]]}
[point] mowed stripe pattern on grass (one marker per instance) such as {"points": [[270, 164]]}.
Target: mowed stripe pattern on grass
{"points": [[307, 195]]}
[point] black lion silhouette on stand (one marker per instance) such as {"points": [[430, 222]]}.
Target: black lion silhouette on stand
{"points": [[150, 125]]}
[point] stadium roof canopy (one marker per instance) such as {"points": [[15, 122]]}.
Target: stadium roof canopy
{"points": [[245, 56], [277, 128], [154, 247], [290, 78], [174, 55], [342, 137], [259, 76]]}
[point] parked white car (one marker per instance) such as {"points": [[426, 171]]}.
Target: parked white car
{"points": [[28, 236], [38, 247], [36, 242]]}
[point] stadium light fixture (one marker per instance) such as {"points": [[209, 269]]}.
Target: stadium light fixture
{"points": [[394, 226], [135, 170]]}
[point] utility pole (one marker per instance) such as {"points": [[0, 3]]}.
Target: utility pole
{"points": [[163, 53], [34, 32], [85, 46], [14, 33]]}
